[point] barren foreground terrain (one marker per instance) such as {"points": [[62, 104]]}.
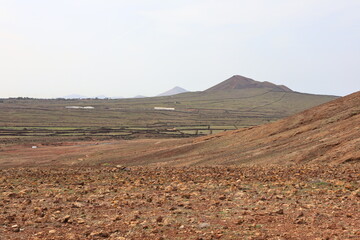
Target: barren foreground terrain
{"points": [[115, 202], [78, 190]]}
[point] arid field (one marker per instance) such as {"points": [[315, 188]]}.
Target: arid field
{"points": [[296, 178], [179, 120], [273, 202]]}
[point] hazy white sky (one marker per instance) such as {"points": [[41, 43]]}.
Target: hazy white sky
{"points": [[126, 48]]}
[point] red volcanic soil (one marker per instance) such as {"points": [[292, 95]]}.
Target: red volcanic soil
{"points": [[78, 153], [54, 193], [329, 133], [284, 202]]}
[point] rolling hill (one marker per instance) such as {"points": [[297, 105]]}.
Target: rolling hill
{"points": [[326, 134], [218, 106], [329, 133], [240, 82]]}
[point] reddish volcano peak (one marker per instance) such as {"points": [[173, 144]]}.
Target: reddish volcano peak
{"points": [[240, 82]]}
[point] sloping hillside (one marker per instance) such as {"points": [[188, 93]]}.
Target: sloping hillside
{"points": [[329, 133]]}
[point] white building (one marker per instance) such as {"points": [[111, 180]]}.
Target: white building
{"points": [[164, 109]]}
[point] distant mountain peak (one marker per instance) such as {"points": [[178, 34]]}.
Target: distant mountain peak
{"points": [[173, 91], [241, 82], [139, 96]]}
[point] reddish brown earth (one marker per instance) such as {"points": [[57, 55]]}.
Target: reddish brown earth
{"points": [[294, 202], [329, 133], [305, 185]]}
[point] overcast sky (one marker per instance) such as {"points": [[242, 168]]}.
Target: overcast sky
{"points": [[126, 48]]}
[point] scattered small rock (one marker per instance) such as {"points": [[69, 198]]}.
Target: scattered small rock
{"points": [[159, 219], [77, 205], [122, 168], [27, 201], [10, 194], [240, 221], [300, 221], [204, 225], [15, 228], [186, 196], [65, 219], [223, 197], [280, 211], [100, 234], [80, 221]]}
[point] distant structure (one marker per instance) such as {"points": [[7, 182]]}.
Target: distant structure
{"points": [[164, 109], [79, 107]]}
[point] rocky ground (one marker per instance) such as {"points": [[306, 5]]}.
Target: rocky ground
{"points": [[292, 202]]}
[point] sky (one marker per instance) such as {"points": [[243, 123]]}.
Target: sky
{"points": [[122, 48]]}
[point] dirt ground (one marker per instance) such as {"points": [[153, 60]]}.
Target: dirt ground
{"points": [[78, 190], [115, 202]]}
